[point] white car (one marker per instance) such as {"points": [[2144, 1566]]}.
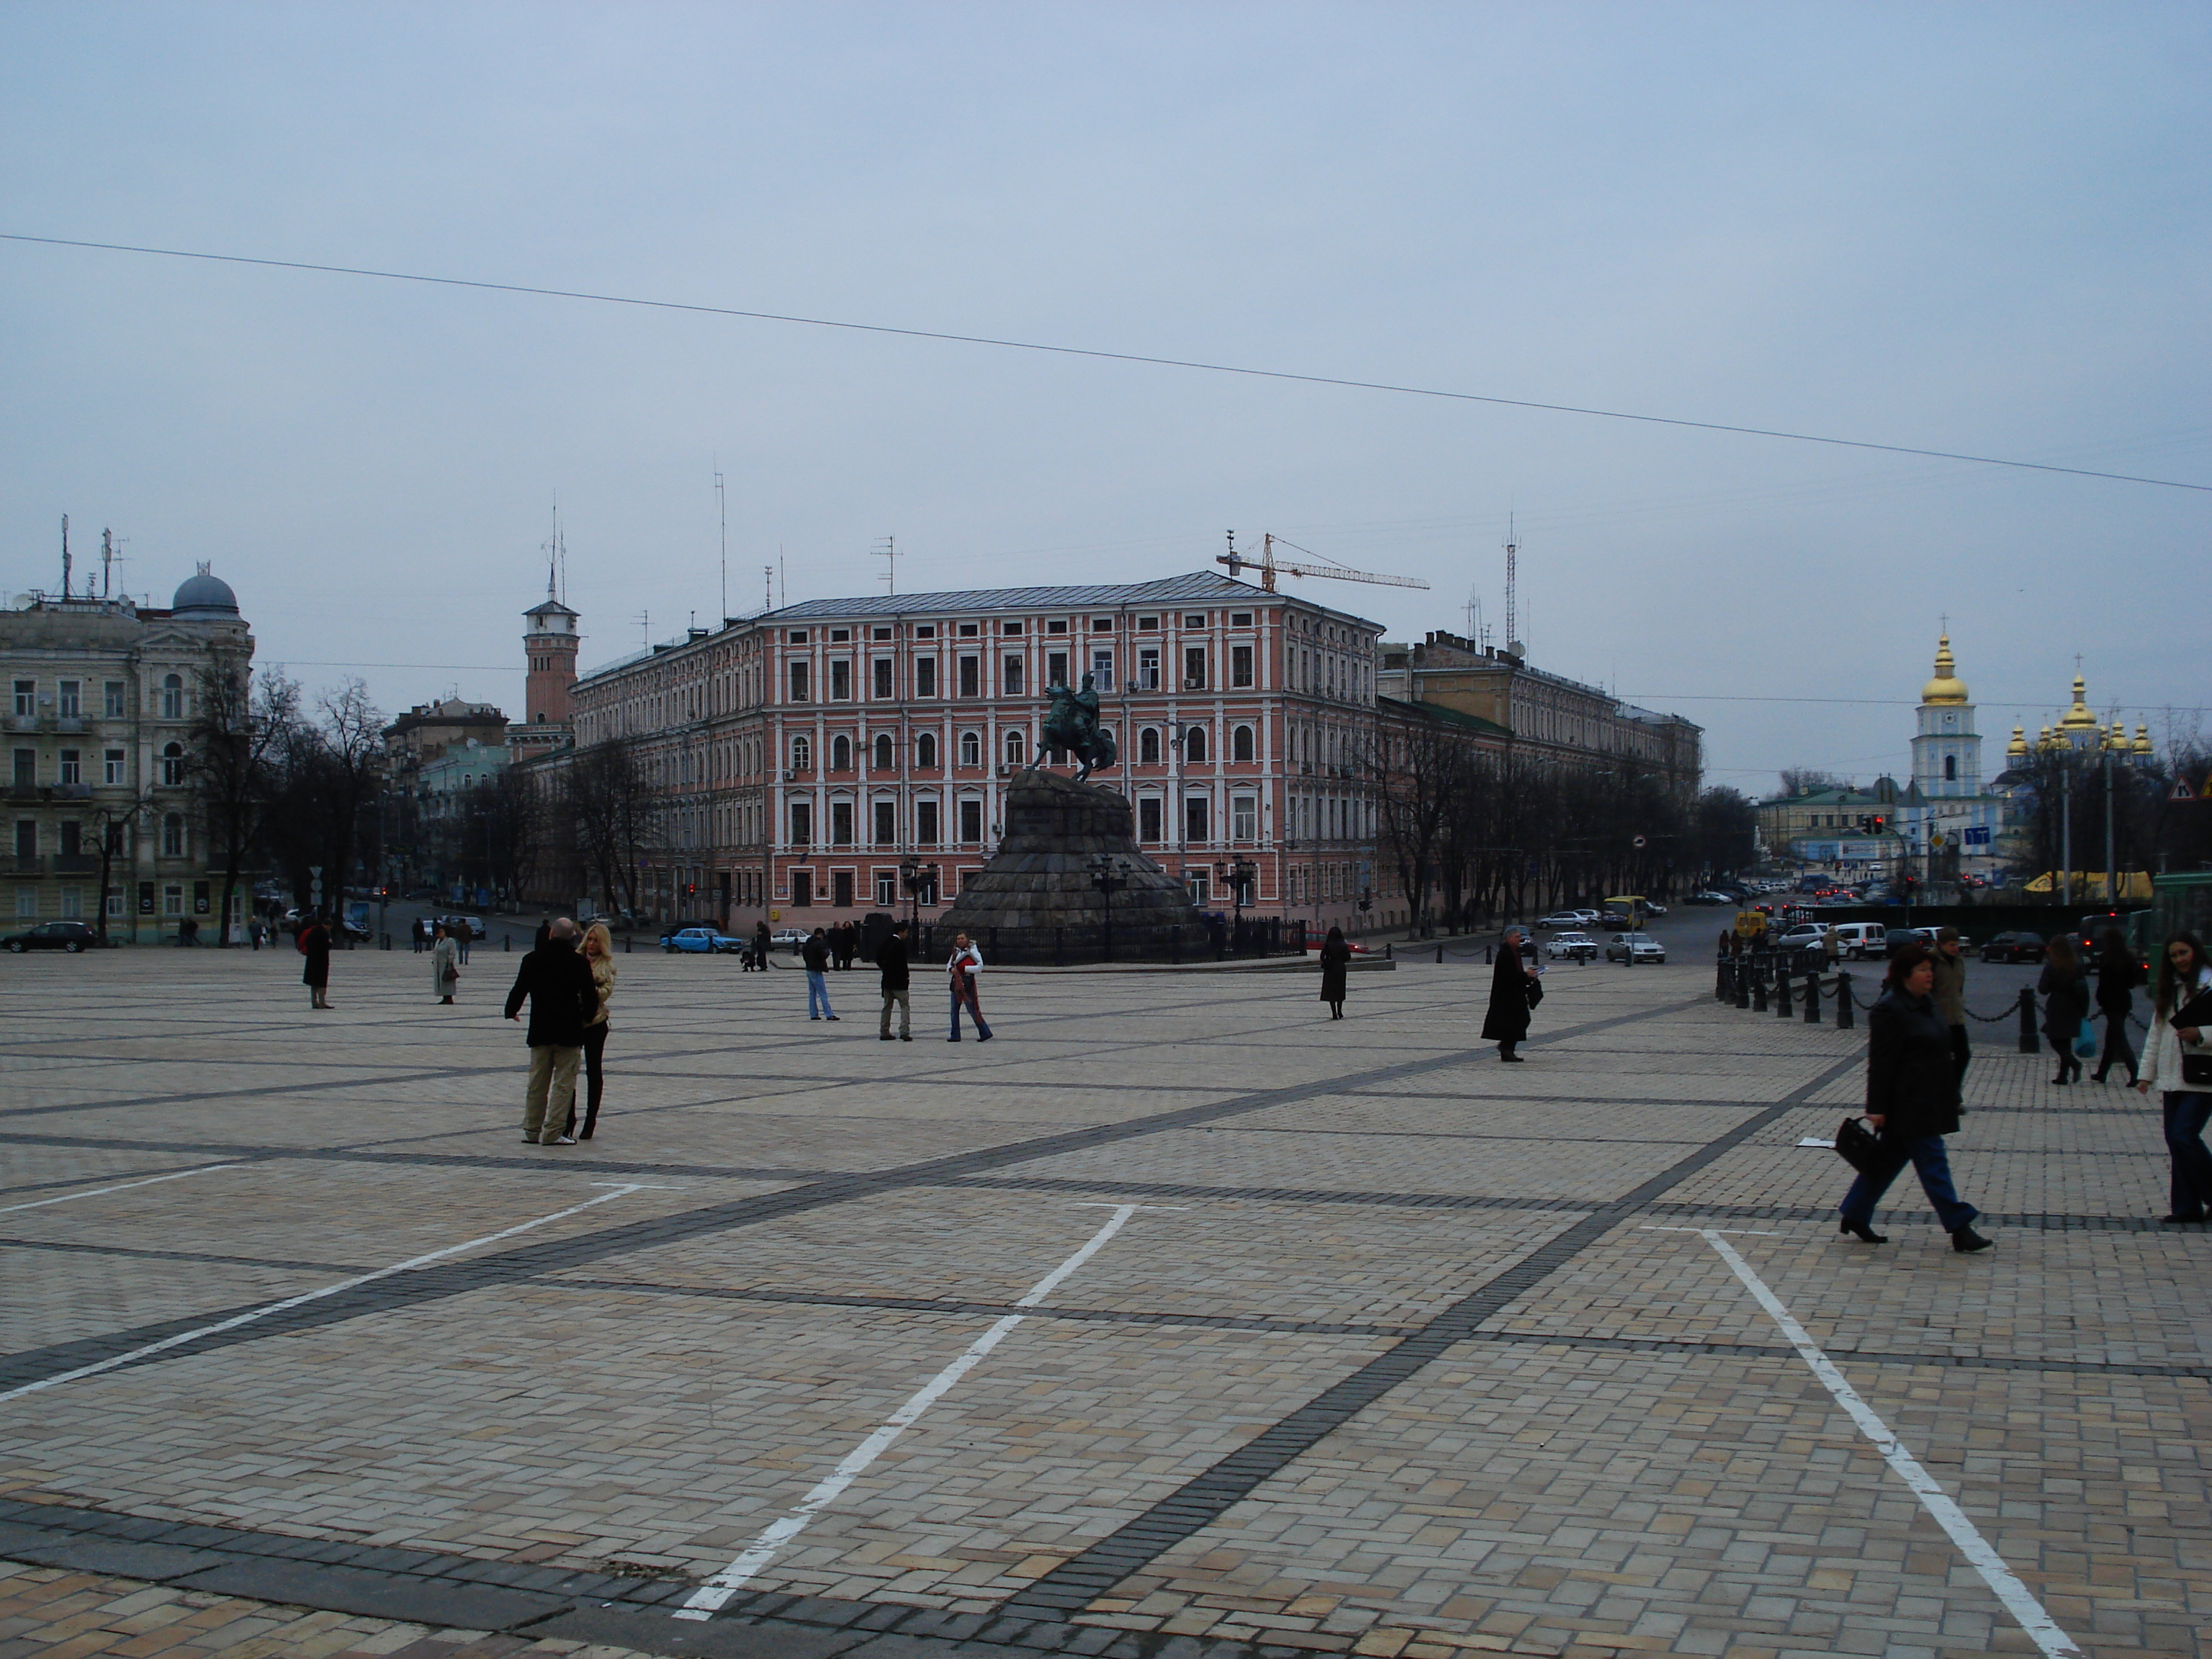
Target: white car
{"points": [[1561, 919], [1633, 948], [1576, 946]]}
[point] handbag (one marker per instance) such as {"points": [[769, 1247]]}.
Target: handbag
{"points": [[1858, 1146], [1535, 990], [2085, 1044], [2195, 1064]]}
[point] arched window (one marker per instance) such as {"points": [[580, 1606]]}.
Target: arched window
{"points": [[884, 751], [1148, 746], [1240, 743], [925, 750], [802, 754], [1017, 749], [173, 836], [173, 697], [840, 754], [1950, 768], [971, 748], [1193, 743], [172, 764]]}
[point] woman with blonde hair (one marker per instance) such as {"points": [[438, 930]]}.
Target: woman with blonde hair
{"points": [[599, 956]]}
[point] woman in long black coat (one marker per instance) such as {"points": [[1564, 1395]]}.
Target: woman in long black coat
{"points": [[1912, 1102], [2119, 973], [315, 945], [1335, 957], [2065, 990], [1506, 1024]]}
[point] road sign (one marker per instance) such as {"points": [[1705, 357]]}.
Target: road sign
{"points": [[2182, 791]]}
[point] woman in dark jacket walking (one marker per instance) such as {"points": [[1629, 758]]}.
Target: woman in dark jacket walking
{"points": [[315, 941], [2119, 973], [2065, 991], [1511, 982], [1912, 1102], [1335, 957]]}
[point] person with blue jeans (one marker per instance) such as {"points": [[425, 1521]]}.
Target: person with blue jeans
{"points": [[967, 962], [1912, 1102], [816, 955], [2181, 1009]]}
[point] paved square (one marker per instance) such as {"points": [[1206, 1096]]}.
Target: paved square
{"points": [[1178, 1316]]}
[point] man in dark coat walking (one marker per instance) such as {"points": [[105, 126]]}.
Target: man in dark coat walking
{"points": [[1507, 1023], [891, 957], [557, 981]]}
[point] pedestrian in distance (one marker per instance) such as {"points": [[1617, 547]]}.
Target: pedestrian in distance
{"points": [[891, 960], [2178, 1063], [2065, 993], [444, 966], [599, 957], [761, 945], [1912, 1103], [1335, 963], [1950, 994], [816, 954], [461, 933], [2119, 973], [557, 984], [1832, 944], [313, 939], [961, 970], [415, 933], [1514, 990]]}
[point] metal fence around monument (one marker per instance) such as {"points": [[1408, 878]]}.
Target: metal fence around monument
{"points": [[1212, 939]]}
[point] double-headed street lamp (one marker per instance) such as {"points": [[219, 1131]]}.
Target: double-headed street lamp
{"points": [[1109, 875], [1238, 873]]}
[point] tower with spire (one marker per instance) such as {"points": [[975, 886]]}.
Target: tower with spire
{"points": [[1947, 753], [550, 641]]}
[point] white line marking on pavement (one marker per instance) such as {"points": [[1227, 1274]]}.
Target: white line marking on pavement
{"points": [[2018, 1599], [175, 1175], [290, 1302], [764, 1548]]}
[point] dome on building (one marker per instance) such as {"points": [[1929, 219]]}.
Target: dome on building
{"points": [[2078, 718], [204, 597], [1947, 686], [2017, 749], [2142, 741]]}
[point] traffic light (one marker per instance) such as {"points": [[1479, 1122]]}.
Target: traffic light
{"points": [[1877, 823]]}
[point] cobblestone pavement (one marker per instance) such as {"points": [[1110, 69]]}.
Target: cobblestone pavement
{"points": [[1178, 1319]]}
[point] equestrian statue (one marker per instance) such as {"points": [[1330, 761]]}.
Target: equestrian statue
{"points": [[1073, 725]]}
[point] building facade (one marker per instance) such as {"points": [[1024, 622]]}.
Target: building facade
{"points": [[799, 759], [102, 695]]}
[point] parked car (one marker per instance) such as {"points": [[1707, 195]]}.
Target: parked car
{"points": [[1634, 948], [1858, 940], [1653, 908], [709, 940], [788, 938], [1803, 936], [1561, 919], [1894, 937], [1709, 897], [2014, 947], [1571, 946], [69, 936]]}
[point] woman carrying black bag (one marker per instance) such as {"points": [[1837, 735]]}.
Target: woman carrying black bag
{"points": [[1513, 991], [2179, 1064], [2118, 975], [1913, 1100]]}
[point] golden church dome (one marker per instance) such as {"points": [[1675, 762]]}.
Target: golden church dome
{"points": [[1947, 686], [2017, 749], [2078, 718], [2142, 741]]}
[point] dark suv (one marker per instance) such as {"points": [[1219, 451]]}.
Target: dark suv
{"points": [[71, 936], [2012, 947]]}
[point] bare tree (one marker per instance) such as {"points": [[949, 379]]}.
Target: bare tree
{"points": [[614, 816], [1796, 780], [239, 733]]}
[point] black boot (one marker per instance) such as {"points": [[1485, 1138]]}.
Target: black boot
{"points": [[1965, 1241], [1861, 1231]]}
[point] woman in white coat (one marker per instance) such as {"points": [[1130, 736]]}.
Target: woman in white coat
{"points": [[2182, 1008], [445, 965]]}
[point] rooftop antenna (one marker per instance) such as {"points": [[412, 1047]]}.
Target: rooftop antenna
{"points": [[552, 548], [767, 588], [722, 506], [887, 550], [1512, 583], [111, 554], [65, 556], [782, 590], [645, 626]]}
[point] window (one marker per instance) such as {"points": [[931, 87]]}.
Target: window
{"points": [[925, 677], [1148, 818], [802, 826], [1011, 630], [172, 839], [70, 703], [173, 901], [839, 635], [72, 903], [971, 748], [1011, 678], [72, 838], [840, 681], [1244, 818], [1148, 624], [115, 901], [882, 752], [27, 768], [26, 903], [26, 699], [925, 750], [799, 681], [925, 824], [886, 891], [1194, 820], [840, 890], [886, 823], [1193, 745], [1057, 625], [1199, 885], [26, 838], [840, 754], [925, 631], [1195, 619], [797, 636], [173, 697], [1240, 743], [112, 767], [802, 888], [72, 766], [802, 755], [883, 670], [1148, 746], [971, 676], [1951, 772], [1148, 669], [841, 825], [1240, 665], [1016, 748], [1240, 619], [1056, 668], [172, 765], [1102, 670], [971, 823], [879, 632]]}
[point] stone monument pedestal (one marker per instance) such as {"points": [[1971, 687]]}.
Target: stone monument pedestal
{"points": [[1036, 899]]}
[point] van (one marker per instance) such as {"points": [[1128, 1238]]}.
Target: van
{"points": [[1860, 940]]}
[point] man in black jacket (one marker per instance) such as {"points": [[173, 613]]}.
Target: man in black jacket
{"points": [[557, 981], [815, 953], [891, 957]]}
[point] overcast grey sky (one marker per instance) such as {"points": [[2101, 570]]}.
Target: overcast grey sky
{"points": [[1977, 228]]}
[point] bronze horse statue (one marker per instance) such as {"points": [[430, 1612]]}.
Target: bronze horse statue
{"points": [[1073, 725]]}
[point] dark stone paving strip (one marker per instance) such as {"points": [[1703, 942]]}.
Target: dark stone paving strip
{"points": [[1203, 1500], [464, 1275], [2045, 1222], [1841, 1356], [178, 1255]]}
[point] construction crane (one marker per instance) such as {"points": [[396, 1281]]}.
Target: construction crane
{"points": [[1267, 565]]}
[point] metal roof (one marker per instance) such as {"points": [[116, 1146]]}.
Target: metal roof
{"points": [[1197, 586]]}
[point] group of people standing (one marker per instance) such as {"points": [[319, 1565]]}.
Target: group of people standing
{"points": [[2067, 995], [567, 989]]}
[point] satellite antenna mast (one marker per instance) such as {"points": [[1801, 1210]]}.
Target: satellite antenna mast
{"points": [[107, 557], [887, 550], [65, 556], [722, 509], [1512, 579], [767, 588]]}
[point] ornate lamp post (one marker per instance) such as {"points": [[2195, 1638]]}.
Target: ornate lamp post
{"points": [[1239, 873], [1109, 875]]}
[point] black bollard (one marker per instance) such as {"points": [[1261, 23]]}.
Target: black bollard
{"points": [[1440, 953], [1812, 999], [1782, 1008], [1758, 988], [1844, 1021], [1389, 949], [1740, 970], [1722, 989], [626, 949], [2029, 1042]]}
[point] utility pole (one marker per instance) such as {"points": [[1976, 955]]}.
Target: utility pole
{"points": [[887, 550], [722, 509]]}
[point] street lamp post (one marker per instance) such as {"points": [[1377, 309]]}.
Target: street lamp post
{"points": [[1109, 875]]}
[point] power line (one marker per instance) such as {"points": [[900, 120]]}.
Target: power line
{"points": [[1108, 356]]}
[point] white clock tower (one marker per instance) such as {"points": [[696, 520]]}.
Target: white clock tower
{"points": [[1947, 755]]}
